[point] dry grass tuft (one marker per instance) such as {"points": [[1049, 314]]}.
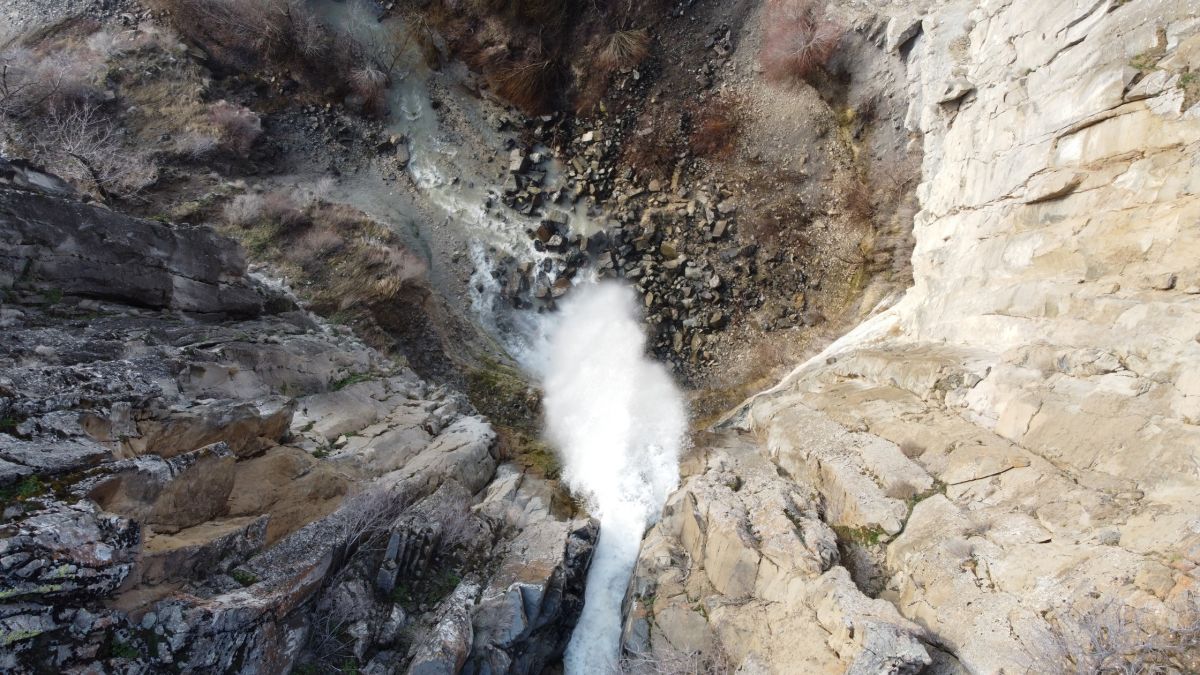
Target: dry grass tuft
{"points": [[715, 132], [902, 490], [912, 449], [623, 49], [237, 127], [799, 39], [529, 85]]}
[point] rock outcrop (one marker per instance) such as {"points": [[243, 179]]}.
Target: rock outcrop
{"points": [[1008, 454], [199, 476]]}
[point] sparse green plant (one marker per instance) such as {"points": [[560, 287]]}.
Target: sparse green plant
{"points": [[24, 489], [244, 577], [351, 379], [123, 650], [863, 536]]}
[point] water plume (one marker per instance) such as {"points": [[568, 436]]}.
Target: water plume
{"points": [[618, 421]]}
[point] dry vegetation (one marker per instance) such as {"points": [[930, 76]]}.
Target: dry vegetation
{"points": [[798, 39], [257, 36], [348, 261], [1116, 639], [716, 128], [56, 108], [540, 55], [666, 659]]}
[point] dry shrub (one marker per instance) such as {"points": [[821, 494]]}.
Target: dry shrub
{"points": [[902, 490], [1116, 639], [529, 85], [36, 82], [666, 659], [715, 132], [249, 35], [653, 146], [912, 449], [237, 127], [855, 196], [84, 145], [243, 31], [370, 84], [314, 246], [623, 49], [53, 110], [278, 209], [799, 39]]}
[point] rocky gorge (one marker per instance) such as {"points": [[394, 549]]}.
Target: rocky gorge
{"points": [[935, 304]]}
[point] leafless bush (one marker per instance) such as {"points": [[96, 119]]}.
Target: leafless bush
{"points": [[277, 208], [799, 39], [665, 659], [370, 84], [33, 84], [363, 520], [1117, 639], [237, 127], [82, 144], [284, 32]]}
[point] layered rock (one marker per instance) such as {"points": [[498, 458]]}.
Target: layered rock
{"points": [[743, 569], [1008, 454], [200, 476]]}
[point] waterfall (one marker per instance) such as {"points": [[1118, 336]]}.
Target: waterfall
{"points": [[618, 422]]}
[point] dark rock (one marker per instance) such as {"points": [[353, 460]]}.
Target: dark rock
{"points": [[56, 245]]}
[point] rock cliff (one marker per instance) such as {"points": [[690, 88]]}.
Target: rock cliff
{"points": [[1007, 455], [199, 476]]}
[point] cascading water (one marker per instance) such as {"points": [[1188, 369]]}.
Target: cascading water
{"points": [[618, 421], [615, 416]]}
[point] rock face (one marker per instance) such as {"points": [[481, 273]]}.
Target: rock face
{"points": [[743, 567], [199, 476], [1007, 455], [64, 246]]}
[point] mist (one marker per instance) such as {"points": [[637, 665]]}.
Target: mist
{"points": [[618, 421]]}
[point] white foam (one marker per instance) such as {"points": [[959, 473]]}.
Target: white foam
{"points": [[618, 422]]}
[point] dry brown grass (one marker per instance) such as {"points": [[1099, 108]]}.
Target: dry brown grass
{"points": [[716, 129], [902, 490], [798, 40], [912, 449], [237, 127], [529, 85], [622, 49]]}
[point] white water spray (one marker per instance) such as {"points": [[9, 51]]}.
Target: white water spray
{"points": [[618, 421]]}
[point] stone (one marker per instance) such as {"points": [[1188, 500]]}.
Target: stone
{"points": [[76, 249]]}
